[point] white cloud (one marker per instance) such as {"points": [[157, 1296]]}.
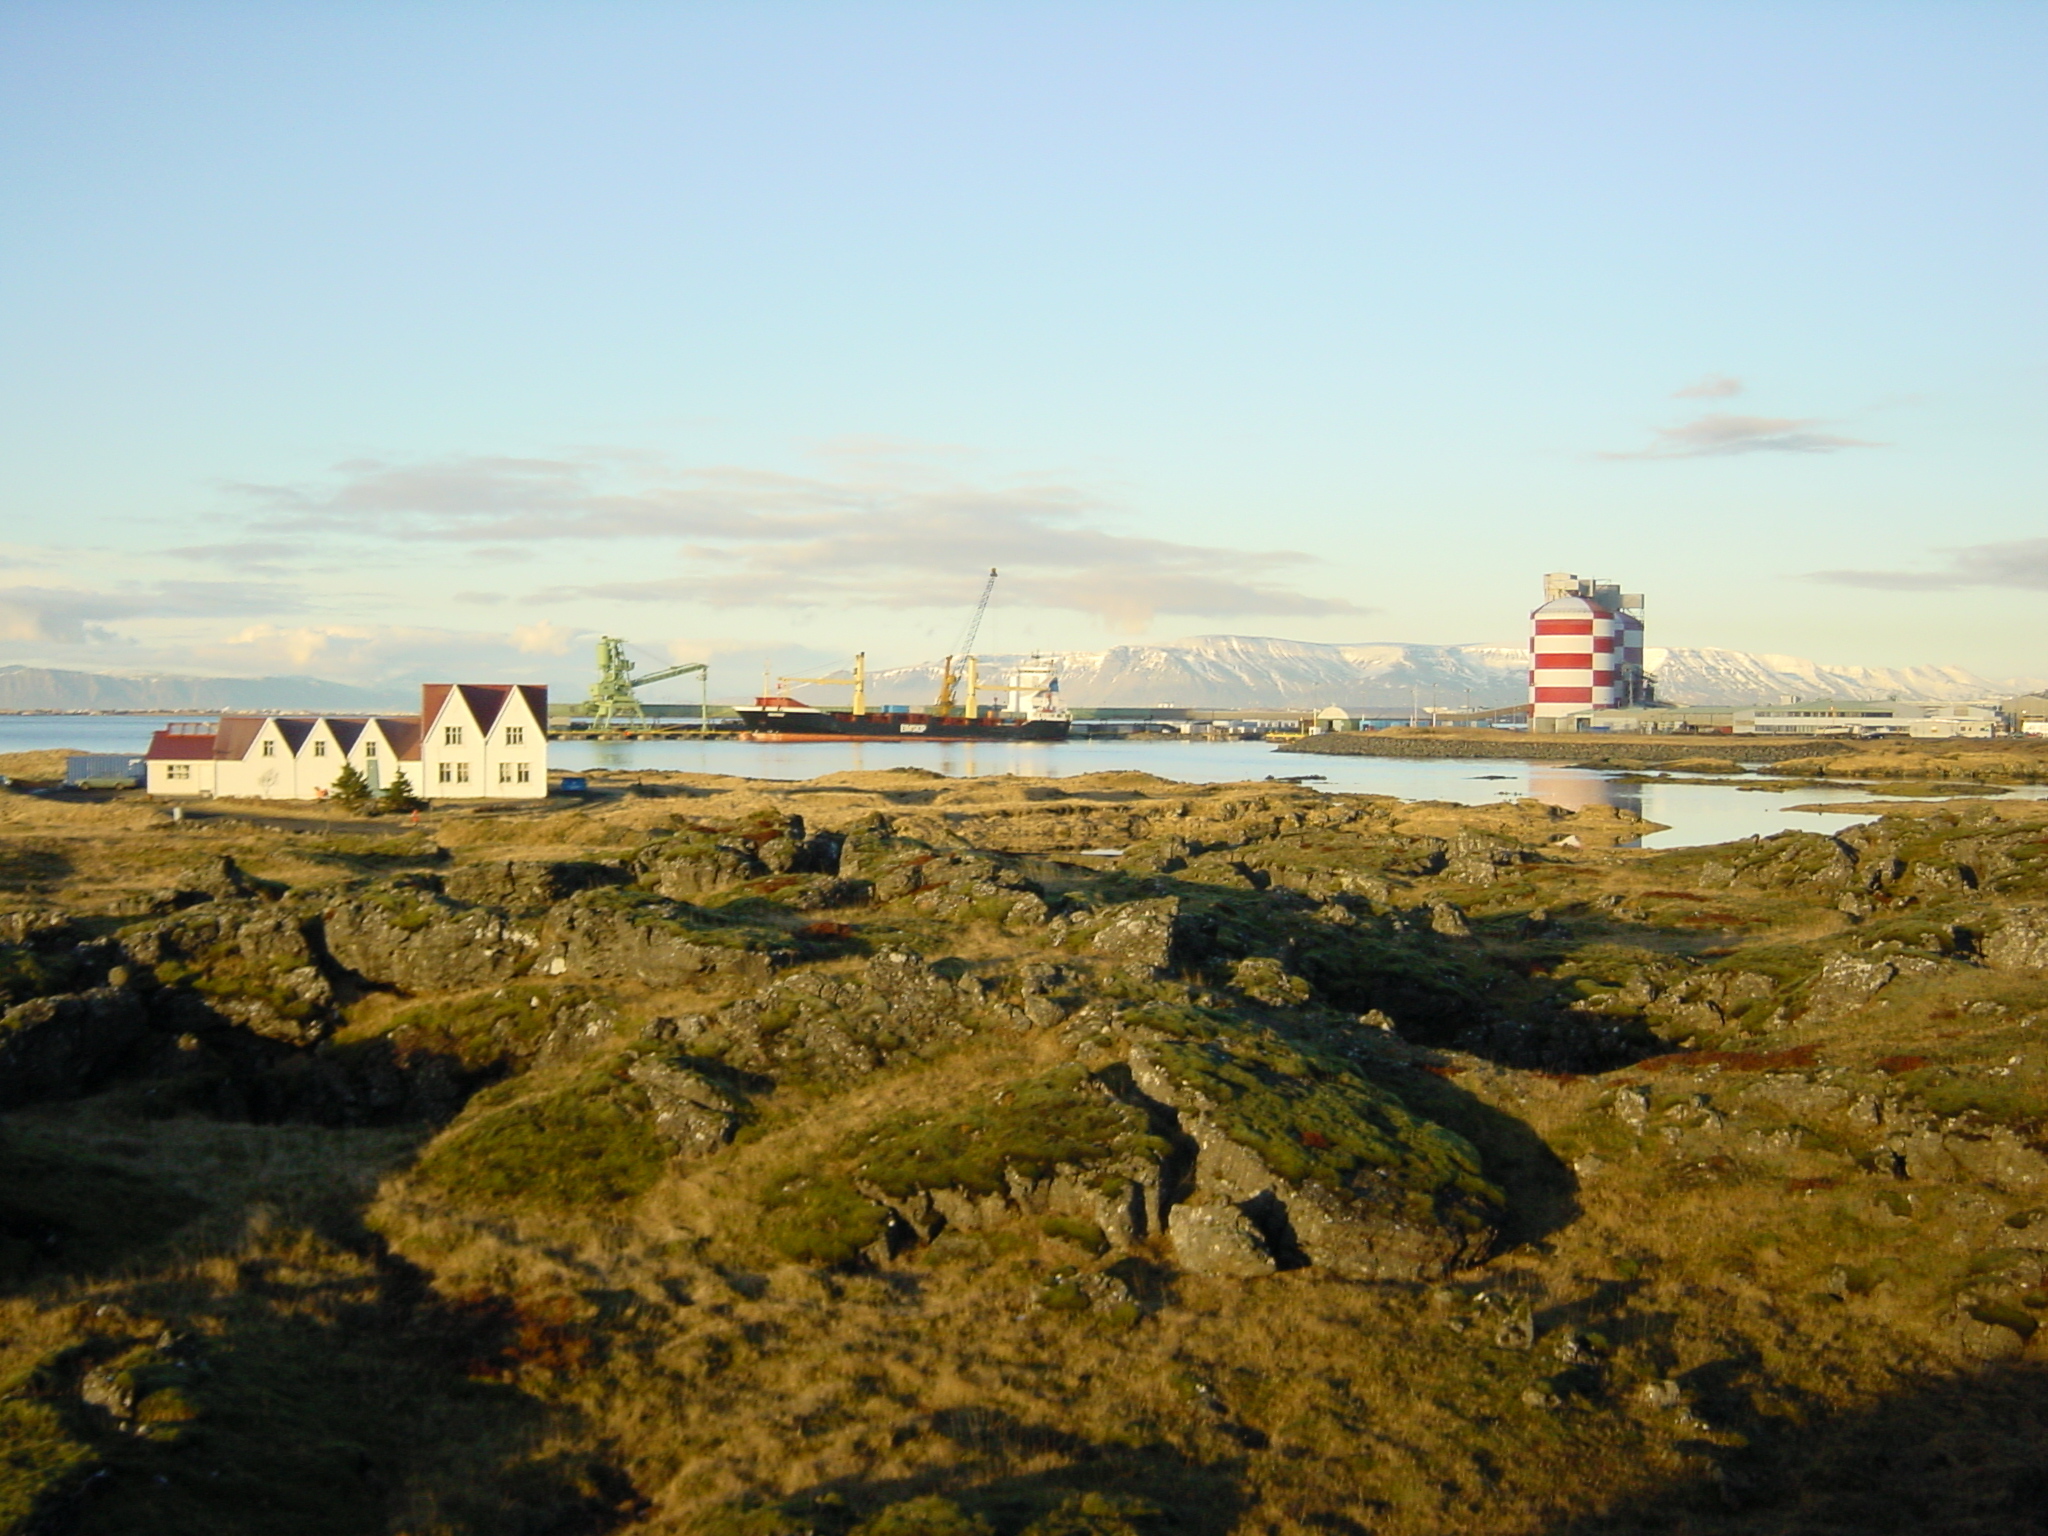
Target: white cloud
{"points": [[880, 526], [2019, 563], [542, 638], [1717, 435], [1713, 386]]}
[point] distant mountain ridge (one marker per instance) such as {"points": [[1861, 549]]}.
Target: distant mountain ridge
{"points": [[1225, 671], [53, 688]]}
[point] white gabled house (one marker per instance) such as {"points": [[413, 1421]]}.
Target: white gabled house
{"points": [[470, 741]]}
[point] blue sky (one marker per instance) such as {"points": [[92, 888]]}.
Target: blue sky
{"points": [[388, 341]]}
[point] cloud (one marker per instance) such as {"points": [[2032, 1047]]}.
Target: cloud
{"points": [[79, 616], [1713, 386], [543, 638], [878, 526], [1716, 435], [2019, 563]]}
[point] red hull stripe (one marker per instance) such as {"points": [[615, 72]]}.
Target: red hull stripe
{"points": [[1564, 695], [1564, 626]]}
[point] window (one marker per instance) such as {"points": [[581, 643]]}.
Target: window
{"points": [[369, 749], [515, 735], [462, 773], [319, 749], [178, 771], [526, 773], [504, 773], [447, 773], [451, 735], [270, 749]]}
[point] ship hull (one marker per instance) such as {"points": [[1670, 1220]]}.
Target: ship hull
{"points": [[803, 724]]}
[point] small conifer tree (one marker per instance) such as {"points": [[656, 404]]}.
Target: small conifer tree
{"points": [[351, 789], [398, 795]]}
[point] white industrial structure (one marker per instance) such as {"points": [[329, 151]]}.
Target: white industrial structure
{"points": [[1585, 651], [470, 741]]}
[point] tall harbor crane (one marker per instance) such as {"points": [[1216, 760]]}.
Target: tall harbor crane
{"points": [[950, 680], [612, 697]]}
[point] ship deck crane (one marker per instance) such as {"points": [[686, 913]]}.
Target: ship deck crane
{"points": [[612, 696], [859, 683], [949, 680]]}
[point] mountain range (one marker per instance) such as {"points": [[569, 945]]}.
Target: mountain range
{"points": [[27, 688], [1201, 672], [1225, 671]]}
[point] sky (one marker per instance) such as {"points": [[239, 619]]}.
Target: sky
{"points": [[386, 342]]}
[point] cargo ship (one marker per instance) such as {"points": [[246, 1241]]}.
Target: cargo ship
{"points": [[1032, 711]]}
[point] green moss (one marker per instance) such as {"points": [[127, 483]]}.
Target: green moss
{"points": [[587, 1143], [1030, 1129], [25, 974], [1085, 1235], [1311, 1120], [700, 925], [1098, 1514], [486, 1030], [814, 1218]]}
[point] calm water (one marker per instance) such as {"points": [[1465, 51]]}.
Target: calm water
{"points": [[1695, 813]]}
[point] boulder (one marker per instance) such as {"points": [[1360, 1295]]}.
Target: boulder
{"points": [[691, 1112], [1216, 1238], [2020, 943], [529, 885], [624, 933], [1140, 936], [418, 941], [841, 1026], [1337, 1168], [59, 1047], [251, 964]]}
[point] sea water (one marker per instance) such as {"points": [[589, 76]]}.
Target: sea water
{"points": [[1693, 813]]}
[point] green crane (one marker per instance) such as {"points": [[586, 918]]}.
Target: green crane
{"points": [[612, 697]]}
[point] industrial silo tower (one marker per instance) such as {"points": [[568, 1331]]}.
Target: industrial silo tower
{"points": [[1585, 650]]}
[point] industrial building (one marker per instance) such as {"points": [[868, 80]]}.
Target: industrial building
{"points": [[470, 741], [1585, 651]]}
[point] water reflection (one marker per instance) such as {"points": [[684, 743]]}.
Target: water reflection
{"points": [[1582, 789]]}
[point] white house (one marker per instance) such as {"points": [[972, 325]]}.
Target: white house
{"points": [[470, 741]]}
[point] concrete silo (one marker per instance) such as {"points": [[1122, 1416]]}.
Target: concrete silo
{"points": [[1585, 650]]}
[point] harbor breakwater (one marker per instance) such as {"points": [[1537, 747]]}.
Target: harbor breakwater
{"points": [[1602, 750]]}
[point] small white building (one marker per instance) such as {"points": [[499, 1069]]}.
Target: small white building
{"points": [[470, 741]]}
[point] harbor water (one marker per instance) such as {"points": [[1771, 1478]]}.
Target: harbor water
{"points": [[1693, 813]]}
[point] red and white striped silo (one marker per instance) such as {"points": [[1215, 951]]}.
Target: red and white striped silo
{"points": [[1572, 657]]}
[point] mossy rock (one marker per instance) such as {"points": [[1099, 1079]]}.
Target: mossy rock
{"points": [[576, 1146]]}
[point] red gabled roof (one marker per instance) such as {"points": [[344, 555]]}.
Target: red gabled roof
{"points": [[346, 732], [236, 732], [180, 747], [433, 696], [403, 732], [486, 702], [536, 696], [295, 730]]}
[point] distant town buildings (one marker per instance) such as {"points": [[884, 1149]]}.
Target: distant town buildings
{"points": [[470, 741]]}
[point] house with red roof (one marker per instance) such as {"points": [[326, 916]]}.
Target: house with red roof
{"points": [[470, 741]]}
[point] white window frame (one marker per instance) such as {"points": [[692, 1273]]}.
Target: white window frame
{"points": [[515, 735], [462, 773], [451, 735], [177, 770], [447, 774]]}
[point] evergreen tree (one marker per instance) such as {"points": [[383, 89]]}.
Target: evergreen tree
{"points": [[398, 795], [351, 790]]}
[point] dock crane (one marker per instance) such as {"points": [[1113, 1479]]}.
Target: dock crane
{"points": [[949, 680], [612, 696]]}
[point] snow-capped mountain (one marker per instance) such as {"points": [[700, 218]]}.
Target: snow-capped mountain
{"points": [[1225, 671]]}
